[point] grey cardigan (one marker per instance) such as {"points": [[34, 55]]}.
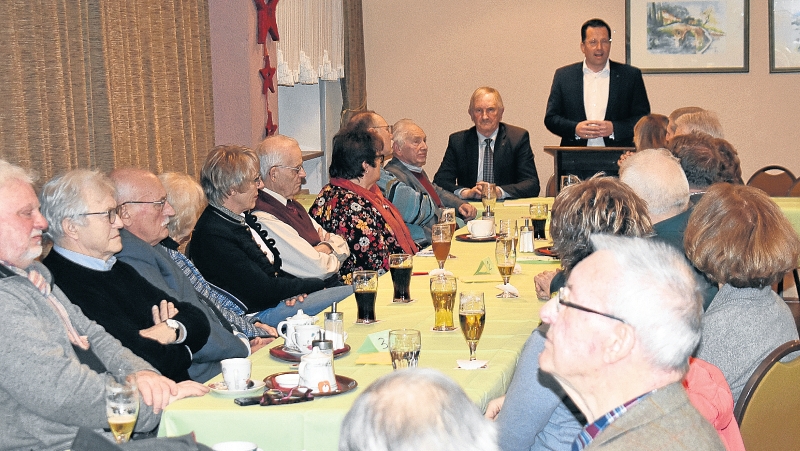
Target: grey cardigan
{"points": [[46, 394]]}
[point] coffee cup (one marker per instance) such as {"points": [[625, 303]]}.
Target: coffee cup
{"points": [[286, 328], [304, 335], [236, 373], [481, 228]]}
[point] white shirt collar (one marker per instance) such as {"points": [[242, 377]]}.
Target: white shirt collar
{"points": [[605, 71], [280, 198], [493, 137]]}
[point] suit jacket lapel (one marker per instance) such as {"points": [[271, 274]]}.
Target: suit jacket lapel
{"points": [[502, 154], [613, 89], [471, 142]]}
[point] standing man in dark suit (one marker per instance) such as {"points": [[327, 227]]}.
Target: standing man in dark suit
{"points": [[597, 102], [491, 151], [410, 147]]}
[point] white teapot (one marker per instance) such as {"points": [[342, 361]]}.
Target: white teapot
{"points": [[316, 370], [300, 319]]}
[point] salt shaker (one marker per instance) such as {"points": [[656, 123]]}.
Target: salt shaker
{"points": [[526, 237], [334, 328]]}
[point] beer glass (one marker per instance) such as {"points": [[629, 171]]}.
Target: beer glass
{"points": [[539, 216], [472, 316], [122, 404], [404, 347], [506, 258], [449, 217], [509, 229], [400, 265], [440, 241], [365, 285], [489, 196], [443, 293]]}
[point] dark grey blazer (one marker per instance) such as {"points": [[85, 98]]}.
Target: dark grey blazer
{"points": [[627, 103], [514, 170], [154, 264]]}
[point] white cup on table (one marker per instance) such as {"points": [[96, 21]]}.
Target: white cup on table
{"points": [[236, 373]]}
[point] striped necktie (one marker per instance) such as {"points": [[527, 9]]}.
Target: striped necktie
{"points": [[488, 161]]}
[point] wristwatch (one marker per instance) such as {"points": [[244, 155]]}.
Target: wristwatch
{"points": [[174, 325]]}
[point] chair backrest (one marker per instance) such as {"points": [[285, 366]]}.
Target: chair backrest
{"points": [[773, 180], [768, 410], [550, 191], [794, 191]]}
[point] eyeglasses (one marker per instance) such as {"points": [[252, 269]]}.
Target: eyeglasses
{"points": [[382, 158], [594, 42], [561, 300], [388, 128], [158, 204], [111, 213], [296, 169]]}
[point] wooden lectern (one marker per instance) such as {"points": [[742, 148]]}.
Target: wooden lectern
{"points": [[585, 161]]}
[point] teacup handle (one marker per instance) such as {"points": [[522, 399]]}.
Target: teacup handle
{"points": [[281, 333]]}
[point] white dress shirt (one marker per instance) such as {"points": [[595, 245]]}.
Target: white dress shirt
{"points": [[595, 97]]}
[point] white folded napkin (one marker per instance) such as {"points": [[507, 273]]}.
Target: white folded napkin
{"points": [[427, 252], [508, 288], [472, 364], [517, 269], [439, 272]]}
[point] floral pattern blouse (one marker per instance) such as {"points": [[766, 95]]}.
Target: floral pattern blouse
{"points": [[345, 213]]}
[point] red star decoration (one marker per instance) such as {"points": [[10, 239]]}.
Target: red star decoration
{"points": [[267, 22], [267, 73], [271, 127]]}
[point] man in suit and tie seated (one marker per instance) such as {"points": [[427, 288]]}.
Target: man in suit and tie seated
{"points": [[314, 252], [409, 144], [596, 102], [619, 340], [491, 151]]}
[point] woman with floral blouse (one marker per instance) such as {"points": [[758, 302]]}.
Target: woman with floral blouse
{"points": [[352, 205]]}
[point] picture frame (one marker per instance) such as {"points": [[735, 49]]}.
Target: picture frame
{"points": [[688, 36], [784, 36]]}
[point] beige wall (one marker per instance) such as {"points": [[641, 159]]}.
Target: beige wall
{"points": [[424, 59]]}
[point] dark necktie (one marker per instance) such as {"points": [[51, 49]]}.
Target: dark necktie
{"points": [[488, 162]]}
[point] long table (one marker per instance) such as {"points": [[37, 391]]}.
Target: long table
{"points": [[314, 426]]}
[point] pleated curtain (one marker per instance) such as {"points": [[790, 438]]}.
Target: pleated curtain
{"points": [[100, 84]]}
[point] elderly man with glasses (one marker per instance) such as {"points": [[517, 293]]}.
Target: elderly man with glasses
{"points": [[145, 213], [315, 252], [84, 226], [619, 342]]}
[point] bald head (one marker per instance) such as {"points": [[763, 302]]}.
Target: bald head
{"points": [[145, 211]]}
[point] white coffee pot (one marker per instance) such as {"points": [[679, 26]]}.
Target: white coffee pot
{"points": [[286, 329]]}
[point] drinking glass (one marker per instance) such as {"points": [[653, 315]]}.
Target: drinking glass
{"points": [[122, 404], [404, 347], [506, 257], [365, 285], [489, 196], [400, 265], [510, 230], [443, 293], [538, 213], [472, 316], [449, 217], [440, 240]]}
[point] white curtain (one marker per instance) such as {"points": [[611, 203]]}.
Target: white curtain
{"points": [[311, 41]]}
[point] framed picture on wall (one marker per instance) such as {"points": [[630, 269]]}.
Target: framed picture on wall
{"points": [[688, 35], [784, 36]]}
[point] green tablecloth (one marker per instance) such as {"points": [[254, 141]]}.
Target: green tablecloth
{"points": [[314, 426]]}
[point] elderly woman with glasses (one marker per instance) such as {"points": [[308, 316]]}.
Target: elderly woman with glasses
{"points": [[232, 252], [84, 226], [741, 240], [353, 207]]}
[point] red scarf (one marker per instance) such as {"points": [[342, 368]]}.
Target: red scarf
{"points": [[389, 213]]}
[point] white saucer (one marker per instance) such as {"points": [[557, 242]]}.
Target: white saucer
{"points": [[221, 389]]}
